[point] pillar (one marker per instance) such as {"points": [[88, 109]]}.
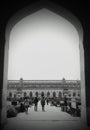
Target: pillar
{"points": [[3, 76]]}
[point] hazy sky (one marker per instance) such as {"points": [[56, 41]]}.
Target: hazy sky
{"points": [[44, 46]]}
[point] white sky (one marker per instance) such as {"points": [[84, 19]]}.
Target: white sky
{"points": [[44, 46]]}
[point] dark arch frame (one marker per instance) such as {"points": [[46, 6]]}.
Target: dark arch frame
{"points": [[67, 15]]}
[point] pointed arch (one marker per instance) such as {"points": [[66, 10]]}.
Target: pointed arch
{"points": [[67, 15]]}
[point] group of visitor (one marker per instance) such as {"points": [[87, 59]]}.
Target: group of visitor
{"points": [[42, 103], [70, 107], [24, 103]]}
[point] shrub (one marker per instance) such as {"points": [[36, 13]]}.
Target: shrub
{"points": [[11, 111]]}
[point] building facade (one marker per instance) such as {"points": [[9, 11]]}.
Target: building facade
{"points": [[50, 88]]}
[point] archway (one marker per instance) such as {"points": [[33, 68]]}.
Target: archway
{"points": [[54, 94], [31, 94], [36, 94], [42, 94], [60, 94], [77, 25], [48, 94]]}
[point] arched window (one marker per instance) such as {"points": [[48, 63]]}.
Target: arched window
{"points": [[31, 94], [36, 94], [48, 94], [54, 94], [60, 94], [42, 94]]}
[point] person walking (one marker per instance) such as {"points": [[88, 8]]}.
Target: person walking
{"points": [[47, 101], [65, 103], [26, 104], [36, 103], [73, 106], [43, 103], [62, 104], [22, 107]]}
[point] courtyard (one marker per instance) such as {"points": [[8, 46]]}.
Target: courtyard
{"points": [[52, 118]]}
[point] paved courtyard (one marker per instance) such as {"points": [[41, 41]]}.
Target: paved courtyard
{"points": [[52, 119]]}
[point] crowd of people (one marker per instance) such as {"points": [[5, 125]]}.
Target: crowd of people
{"points": [[24, 103]]}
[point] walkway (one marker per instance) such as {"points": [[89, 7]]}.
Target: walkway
{"points": [[51, 113]]}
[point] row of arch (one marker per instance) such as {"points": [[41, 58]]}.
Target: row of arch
{"points": [[31, 94], [47, 94]]}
